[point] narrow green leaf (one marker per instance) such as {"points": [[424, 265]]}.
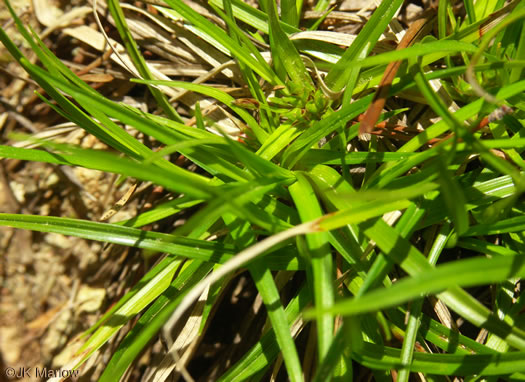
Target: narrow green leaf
{"points": [[150, 322], [218, 95], [329, 157], [337, 77], [270, 295], [278, 140], [117, 234], [470, 10], [289, 12], [128, 310], [454, 198], [320, 257], [138, 60], [413, 262], [285, 56], [465, 273], [118, 139], [222, 37], [243, 236], [387, 358], [262, 354], [441, 127], [515, 224], [253, 17], [179, 180], [417, 50]]}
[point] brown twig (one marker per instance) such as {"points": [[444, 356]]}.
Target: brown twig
{"points": [[374, 110], [95, 63]]}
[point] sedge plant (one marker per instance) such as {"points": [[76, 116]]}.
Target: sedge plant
{"points": [[373, 226]]}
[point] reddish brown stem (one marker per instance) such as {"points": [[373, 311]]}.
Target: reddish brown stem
{"points": [[374, 110]]}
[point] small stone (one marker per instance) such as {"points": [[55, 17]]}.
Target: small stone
{"points": [[19, 191], [90, 299]]}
